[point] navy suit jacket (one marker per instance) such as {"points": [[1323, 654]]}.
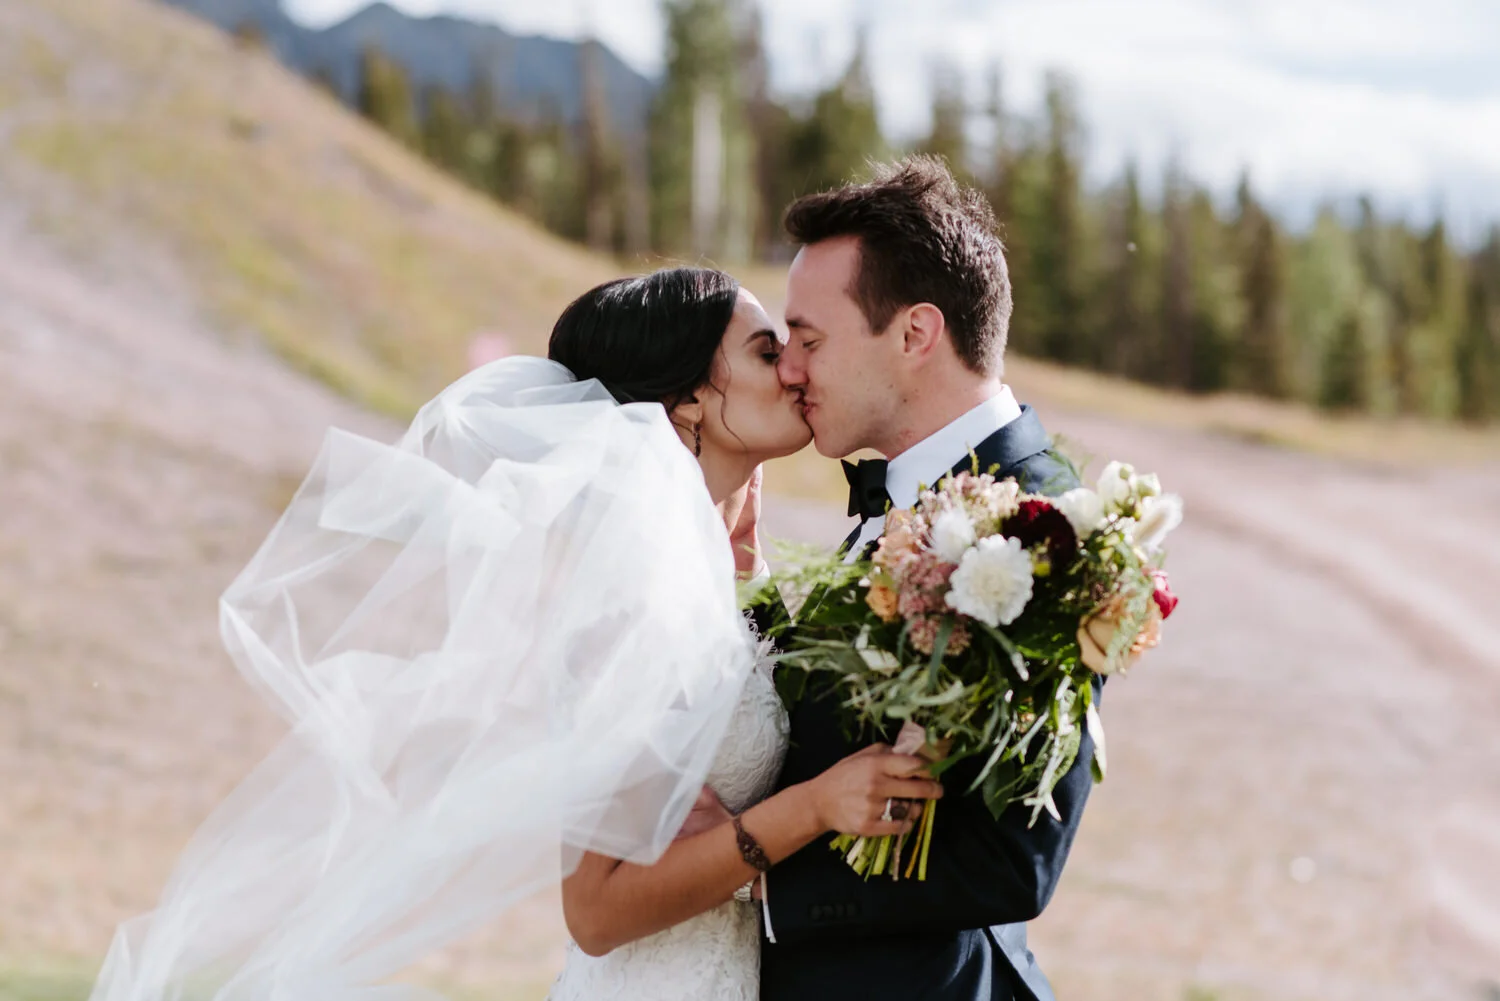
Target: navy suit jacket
{"points": [[961, 934]]}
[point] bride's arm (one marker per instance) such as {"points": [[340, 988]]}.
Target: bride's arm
{"points": [[608, 903]]}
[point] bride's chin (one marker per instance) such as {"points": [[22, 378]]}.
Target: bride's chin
{"points": [[797, 444]]}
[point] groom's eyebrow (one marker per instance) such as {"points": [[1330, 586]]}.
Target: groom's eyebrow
{"points": [[798, 323]]}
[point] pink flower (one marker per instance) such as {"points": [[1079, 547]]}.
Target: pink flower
{"points": [[914, 603], [934, 576], [959, 639], [922, 635]]}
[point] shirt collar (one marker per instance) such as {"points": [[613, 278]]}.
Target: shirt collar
{"points": [[929, 459]]}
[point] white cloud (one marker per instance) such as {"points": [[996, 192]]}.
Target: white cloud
{"points": [[1315, 97]]}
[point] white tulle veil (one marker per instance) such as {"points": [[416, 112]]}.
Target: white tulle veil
{"points": [[510, 638]]}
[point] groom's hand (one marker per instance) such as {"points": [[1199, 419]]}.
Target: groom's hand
{"points": [[744, 534], [707, 813]]}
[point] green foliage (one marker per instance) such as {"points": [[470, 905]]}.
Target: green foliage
{"points": [[948, 136], [834, 141], [384, 96], [702, 65], [1057, 241]]}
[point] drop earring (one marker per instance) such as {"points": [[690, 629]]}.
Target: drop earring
{"points": [[698, 441]]}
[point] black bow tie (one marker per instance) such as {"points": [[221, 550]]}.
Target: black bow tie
{"points": [[867, 496]]}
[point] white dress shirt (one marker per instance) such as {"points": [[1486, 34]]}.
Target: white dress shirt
{"points": [[930, 459]]}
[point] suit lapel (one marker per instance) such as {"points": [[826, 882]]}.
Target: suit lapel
{"points": [[1008, 447]]}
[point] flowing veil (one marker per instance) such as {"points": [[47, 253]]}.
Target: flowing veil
{"points": [[508, 639]]}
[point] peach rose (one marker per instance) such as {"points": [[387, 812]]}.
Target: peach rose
{"points": [[898, 537], [1097, 633], [883, 602]]}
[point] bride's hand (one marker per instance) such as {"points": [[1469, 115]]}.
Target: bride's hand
{"points": [[707, 813], [851, 796]]}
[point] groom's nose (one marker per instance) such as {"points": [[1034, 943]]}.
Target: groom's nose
{"points": [[791, 367]]}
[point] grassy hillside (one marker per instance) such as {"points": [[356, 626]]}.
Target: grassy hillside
{"points": [[293, 221]]}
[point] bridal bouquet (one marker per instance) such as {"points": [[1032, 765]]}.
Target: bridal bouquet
{"points": [[977, 627]]}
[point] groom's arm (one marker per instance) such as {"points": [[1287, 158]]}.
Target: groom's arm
{"points": [[981, 871]]}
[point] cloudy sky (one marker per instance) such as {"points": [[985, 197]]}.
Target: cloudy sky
{"points": [[1315, 97]]}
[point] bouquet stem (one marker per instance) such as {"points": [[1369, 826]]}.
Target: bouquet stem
{"points": [[875, 856]]}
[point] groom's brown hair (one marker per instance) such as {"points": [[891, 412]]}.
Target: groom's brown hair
{"points": [[923, 237]]}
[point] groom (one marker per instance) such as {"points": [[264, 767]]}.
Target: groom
{"points": [[898, 304]]}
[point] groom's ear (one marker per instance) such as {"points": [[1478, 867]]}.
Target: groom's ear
{"points": [[923, 329]]}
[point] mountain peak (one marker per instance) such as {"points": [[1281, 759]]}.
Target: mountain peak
{"points": [[529, 73]]}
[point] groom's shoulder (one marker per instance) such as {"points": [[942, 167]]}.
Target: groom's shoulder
{"points": [[1047, 472], [1023, 449]]}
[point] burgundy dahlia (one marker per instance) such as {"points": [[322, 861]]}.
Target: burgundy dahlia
{"points": [[1039, 523]]}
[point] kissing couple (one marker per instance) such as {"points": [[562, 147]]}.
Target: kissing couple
{"points": [[512, 657]]}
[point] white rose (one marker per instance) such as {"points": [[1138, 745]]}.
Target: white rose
{"points": [[1116, 487], [993, 581], [1083, 509], [1159, 516], [952, 534]]}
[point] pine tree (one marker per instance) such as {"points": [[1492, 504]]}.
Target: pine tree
{"points": [[1262, 363], [383, 95], [1175, 350], [1435, 336], [600, 173], [1343, 386], [948, 136], [770, 126], [1378, 320], [1478, 355], [1010, 187], [445, 131], [1126, 338], [1217, 307], [511, 174], [834, 142], [1058, 252], [698, 127]]}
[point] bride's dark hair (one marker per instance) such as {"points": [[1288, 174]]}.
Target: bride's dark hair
{"points": [[649, 338]]}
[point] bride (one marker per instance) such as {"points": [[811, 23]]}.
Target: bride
{"points": [[510, 654]]}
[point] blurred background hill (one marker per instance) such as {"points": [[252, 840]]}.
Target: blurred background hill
{"points": [[222, 231]]}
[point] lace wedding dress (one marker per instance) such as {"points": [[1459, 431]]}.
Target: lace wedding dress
{"points": [[714, 956]]}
